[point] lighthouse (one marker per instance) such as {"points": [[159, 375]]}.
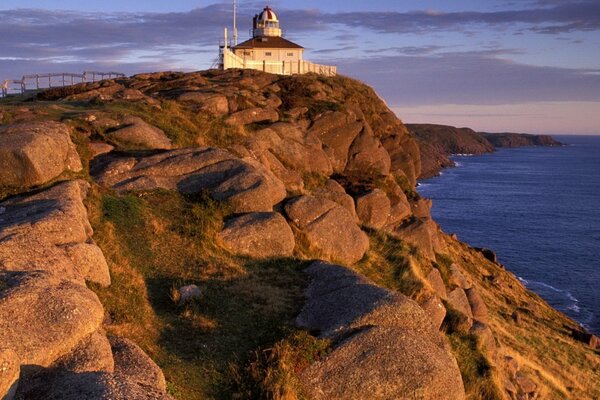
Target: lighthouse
{"points": [[267, 50]]}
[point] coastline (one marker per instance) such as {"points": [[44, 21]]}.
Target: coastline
{"points": [[505, 221]]}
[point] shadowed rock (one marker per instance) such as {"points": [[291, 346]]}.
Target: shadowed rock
{"points": [[388, 347], [133, 365], [35, 153], [246, 187], [328, 227], [139, 134], [92, 354], [99, 385], [9, 373], [259, 235]]}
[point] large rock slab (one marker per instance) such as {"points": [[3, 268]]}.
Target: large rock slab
{"points": [[299, 151], [337, 131], [478, 307], [252, 115], [100, 385], [367, 156], [209, 102], [138, 134], [50, 231], [435, 309], [373, 208], [92, 354], [437, 283], [246, 187], [42, 317], [328, 228], [35, 153], [259, 235], [98, 369], [133, 365], [423, 234], [387, 347], [333, 191]]}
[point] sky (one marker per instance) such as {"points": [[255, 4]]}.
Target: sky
{"points": [[492, 65]]}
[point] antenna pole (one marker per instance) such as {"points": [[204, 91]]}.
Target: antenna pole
{"points": [[235, 32]]}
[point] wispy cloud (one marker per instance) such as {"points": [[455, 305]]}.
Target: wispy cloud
{"points": [[479, 77]]}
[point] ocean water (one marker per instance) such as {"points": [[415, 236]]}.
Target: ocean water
{"points": [[538, 208]]}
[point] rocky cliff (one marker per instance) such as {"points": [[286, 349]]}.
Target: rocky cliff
{"points": [[245, 235], [438, 142]]}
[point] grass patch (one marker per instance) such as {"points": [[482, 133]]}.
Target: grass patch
{"points": [[272, 373], [163, 240], [474, 368], [183, 126], [388, 263]]}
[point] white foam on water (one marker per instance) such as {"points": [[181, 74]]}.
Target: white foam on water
{"points": [[573, 307]]}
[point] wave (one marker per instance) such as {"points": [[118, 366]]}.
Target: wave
{"points": [[463, 155], [573, 306]]}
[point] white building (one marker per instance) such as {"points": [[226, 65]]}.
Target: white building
{"points": [[269, 51]]}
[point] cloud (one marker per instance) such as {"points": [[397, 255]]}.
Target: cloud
{"points": [[480, 77], [549, 17], [334, 50]]}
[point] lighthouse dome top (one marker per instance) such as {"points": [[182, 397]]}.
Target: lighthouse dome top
{"points": [[268, 15], [266, 24]]}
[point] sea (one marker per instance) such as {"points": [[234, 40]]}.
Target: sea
{"points": [[538, 208]]}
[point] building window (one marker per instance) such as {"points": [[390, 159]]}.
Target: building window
{"points": [[268, 53], [290, 54], [247, 53]]}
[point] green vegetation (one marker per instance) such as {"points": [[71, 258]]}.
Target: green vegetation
{"points": [[162, 240], [476, 371], [183, 126], [388, 263], [273, 373]]}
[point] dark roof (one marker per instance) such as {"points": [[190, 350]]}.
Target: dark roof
{"points": [[268, 42]]}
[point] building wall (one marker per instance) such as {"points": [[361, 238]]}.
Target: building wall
{"points": [[270, 54], [282, 67]]}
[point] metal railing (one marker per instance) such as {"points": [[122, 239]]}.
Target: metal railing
{"points": [[50, 80]]}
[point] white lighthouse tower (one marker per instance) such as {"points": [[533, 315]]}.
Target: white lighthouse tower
{"points": [[267, 50]]}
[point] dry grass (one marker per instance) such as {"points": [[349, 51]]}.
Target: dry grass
{"points": [[272, 373], [162, 240], [183, 126], [541, 343], [390, 263]]}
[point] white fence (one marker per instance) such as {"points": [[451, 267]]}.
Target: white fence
{"points": [[45, 81], [230, 60]]}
